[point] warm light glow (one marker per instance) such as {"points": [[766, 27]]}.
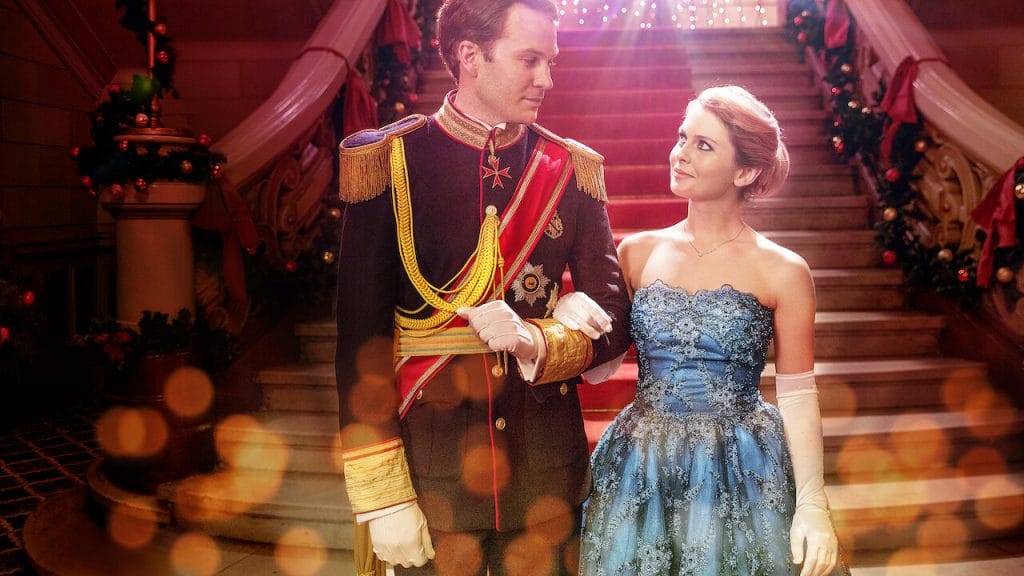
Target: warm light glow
{"points": [[132, 432], [131, 528], [479, 476], [529, 554], [195, 555], [947, 538], [300, 552], [458, 554], [188, 392], [999, 504]]}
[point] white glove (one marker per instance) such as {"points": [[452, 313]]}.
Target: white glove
{"points": [[812, 538], [579, 312], [498, 326], [401, 538]]}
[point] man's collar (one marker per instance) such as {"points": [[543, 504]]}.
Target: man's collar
{"points": [[472, 132]]}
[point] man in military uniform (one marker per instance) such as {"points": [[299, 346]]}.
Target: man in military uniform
{"points": [[460, 423]]}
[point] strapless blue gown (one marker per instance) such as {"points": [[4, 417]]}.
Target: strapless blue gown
{"points": [[694, 477]]}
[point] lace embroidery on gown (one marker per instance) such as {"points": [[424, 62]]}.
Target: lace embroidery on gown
{"points": [[694, 477]]}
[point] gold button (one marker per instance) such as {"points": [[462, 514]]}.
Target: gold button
{"points": [[563, 389], [419, 395], [499, 423]]}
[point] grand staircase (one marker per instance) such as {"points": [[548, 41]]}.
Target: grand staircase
{"points": [[923, 458]]}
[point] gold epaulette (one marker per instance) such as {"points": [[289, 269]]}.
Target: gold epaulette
{"points": [[365, 171], [587, 162]]}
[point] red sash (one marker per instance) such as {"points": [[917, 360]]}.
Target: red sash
{"points": [[522, 224]]}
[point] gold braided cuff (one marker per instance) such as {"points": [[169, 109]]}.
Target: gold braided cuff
{"points": [[377, 476], [569, 352]]}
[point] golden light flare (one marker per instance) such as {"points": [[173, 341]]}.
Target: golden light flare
{"points": [[958, 385], [982, 459], [243, 442], [132, 432], [195, 554], [921, 444], [529, 554], [945, 538], [999, 504], [862, 459], [551, 518], [478, 474], [458, 554], [989, 414], [371, 402], [359, 435], [300, 552], [188, 392], [440, 506], [131, 528]]}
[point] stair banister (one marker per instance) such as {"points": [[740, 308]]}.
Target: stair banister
{"points": [[308, 88], [895, 32]]}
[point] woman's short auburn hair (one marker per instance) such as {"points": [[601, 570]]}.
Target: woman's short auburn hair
{"points": [[754, 133]]}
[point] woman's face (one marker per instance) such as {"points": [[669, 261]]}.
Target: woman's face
{"points": [[703, 161]]}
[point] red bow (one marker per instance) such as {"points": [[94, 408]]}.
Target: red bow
{"points": [[359, 111], [997, 216], [837, 25], [399, 29], [899, 102]]}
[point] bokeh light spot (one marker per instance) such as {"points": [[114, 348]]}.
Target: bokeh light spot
{"points": [[188, 392], [999, 504], [132, 432], [300, 552], [529, 555], [130, 527], [458, 555], [550, 518], [195, 555], [478, 474]]}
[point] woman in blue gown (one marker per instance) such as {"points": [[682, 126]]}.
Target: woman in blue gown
{"points": [[699, 475]]}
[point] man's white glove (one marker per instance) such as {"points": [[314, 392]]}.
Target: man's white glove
{"points": [[579, 312], [401, 537], [498, 326], [812, 538]]}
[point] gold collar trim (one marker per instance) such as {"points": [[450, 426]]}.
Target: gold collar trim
{"points": [[472, 133]]}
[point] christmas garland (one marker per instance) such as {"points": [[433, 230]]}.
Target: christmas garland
{"points": [[857, 130], [115, 161]]}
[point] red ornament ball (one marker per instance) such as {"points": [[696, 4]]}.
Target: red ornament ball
{"points": [[75, 151], [836, 90], [414, 98], [123, 145], [5, 334], [204, 140], [160, 29], [87, 181], [889, 257], [892, 174], [116, 190], [28, 298], [291, 266], [963, 275], [217, 171], [141, 120], [434, 43], [141, 184], [798, 20], [114, 89], [186, 167], [252, 250], [801, 37], [839, 146], [163, 57]]}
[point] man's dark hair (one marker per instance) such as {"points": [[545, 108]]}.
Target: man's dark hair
{"points": [[480, 22]]}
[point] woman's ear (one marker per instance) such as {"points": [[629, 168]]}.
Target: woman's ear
{"points": [[746, 176]]}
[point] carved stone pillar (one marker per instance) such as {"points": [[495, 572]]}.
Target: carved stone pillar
{"points": [[155, 261]]}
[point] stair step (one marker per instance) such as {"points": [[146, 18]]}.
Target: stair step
{"points": [[876, 334], [859, 289], [260, 506], [955, 511], [776, 213]]}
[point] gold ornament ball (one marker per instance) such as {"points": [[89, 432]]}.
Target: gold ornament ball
{"points": [[921, 145], [186, 167], [328, 257], [141, 120], [853, 104], [334, 213], [399, 107], [806, 13], [867, 111], [846, 68], [890, 214], [945, 254], [1018, 191], [1005, 275]]}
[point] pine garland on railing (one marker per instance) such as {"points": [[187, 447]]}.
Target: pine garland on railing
{"points": [[856, 133]]}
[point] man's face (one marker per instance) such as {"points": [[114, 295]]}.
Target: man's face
{"points": [[510, 85]]}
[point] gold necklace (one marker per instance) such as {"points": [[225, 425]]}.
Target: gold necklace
{"points": [[700, 254]]}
